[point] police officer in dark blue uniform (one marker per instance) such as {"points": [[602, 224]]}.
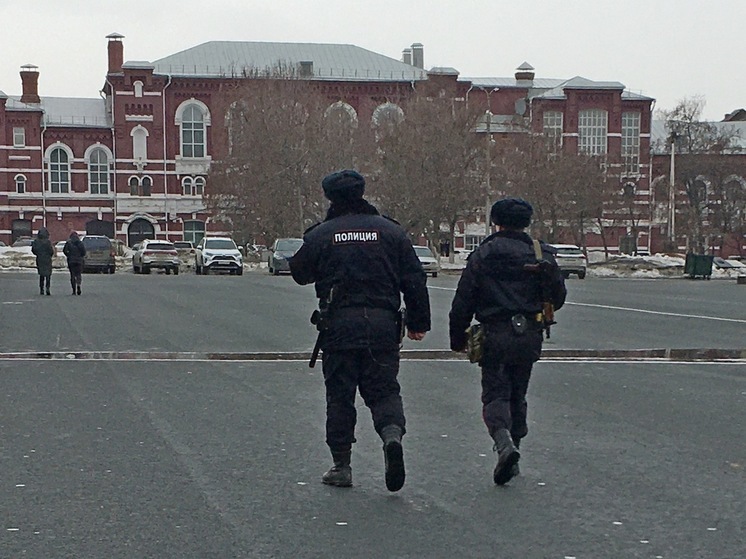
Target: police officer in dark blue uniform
{"points": [[504, 285], [361, 262]]}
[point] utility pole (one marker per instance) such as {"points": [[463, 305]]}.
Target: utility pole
{"points": [[672, 195], [488, 160]]}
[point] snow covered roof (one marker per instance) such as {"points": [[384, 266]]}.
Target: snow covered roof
{"points": [[329, 61], [66, 111]]}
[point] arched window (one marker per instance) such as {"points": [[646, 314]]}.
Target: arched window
{"points": [[59, 170], [98, 172], [387, 114], [341, 115], [194, 231], [139, 143], [140, 186], [137, 86], [20, 184], [193, 186], [192, 132], [199, 186], [186, 185]]}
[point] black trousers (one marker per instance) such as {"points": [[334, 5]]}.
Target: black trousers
{"points": [[372, 372], [504, 388], [45, 279], [76, 271]]}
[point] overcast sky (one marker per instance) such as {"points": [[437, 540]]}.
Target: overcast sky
{"points": [[665, 49]]}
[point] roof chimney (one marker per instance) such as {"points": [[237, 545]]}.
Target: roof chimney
{"points": [[30, 84], [116, 53], [525, 72], [406, 56], [418, 56]]}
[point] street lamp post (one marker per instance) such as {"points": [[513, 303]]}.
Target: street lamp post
{"points": [[672, 195], [488, 159]]}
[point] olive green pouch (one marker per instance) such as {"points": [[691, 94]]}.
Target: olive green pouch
{"points": [[475, 343]]}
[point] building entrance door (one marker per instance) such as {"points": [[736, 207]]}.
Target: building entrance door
{"points": [[139, 230]]}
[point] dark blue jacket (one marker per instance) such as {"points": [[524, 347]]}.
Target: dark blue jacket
{"points": [[495, 285], [361, 264]]}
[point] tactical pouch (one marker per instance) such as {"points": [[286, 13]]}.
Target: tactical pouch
{"points": [[475, 343], [519, 324]]}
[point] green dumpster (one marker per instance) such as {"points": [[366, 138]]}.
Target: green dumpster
{"points": [[698, 265]]}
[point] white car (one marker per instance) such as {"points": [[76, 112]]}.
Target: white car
{"points": [[217, 253], [428, 260], [571, 260], [150, 254]]}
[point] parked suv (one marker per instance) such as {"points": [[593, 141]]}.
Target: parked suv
{"points": [[281, 250], [99, 254], [571, 260], [151, 254], [217, 253]]}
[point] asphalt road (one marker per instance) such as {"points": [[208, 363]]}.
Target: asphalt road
{"points": [[200, 457]]}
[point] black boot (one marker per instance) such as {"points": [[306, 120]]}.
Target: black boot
{"points": [[507, 456], [516, 470], [393, 455], [41, 285], [340, 474]]}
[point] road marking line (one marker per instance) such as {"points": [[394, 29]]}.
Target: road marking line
{"points": [[629, 309]]}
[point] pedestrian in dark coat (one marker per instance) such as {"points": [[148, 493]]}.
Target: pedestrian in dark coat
{"points": [[75, 251], [504, 285], [361, 264], [44, 250]]}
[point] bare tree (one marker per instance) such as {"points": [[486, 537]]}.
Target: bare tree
{"points": [[283, 137], [431, 165], [706, 168]]}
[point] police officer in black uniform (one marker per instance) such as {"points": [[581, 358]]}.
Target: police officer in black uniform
{"points": [[361, 262], [505, 285]]}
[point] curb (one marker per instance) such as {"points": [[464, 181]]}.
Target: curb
{"points": [[669, 354]]}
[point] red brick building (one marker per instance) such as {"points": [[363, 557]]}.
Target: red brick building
{"points": [[133, 163]]}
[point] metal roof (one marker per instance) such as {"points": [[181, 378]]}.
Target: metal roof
{"points": [[330, 61], [66, 111]]}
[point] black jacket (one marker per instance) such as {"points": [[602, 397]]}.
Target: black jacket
{"points": [[74, 250], [44, 251], [495, 285], [364, 261]]}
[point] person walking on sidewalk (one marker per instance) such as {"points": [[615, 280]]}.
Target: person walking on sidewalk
{"points": [[44, 250], [75, 251]]}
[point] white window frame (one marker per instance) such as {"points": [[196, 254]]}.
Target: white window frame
{"points": [[631, 142], [593, 126], [194, 234], [193, 130], [552, 127], [59, 172], [19, 137], [140, 186], [20, 182], [139, 136], [97, 170]]}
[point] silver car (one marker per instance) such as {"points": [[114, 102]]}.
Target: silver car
{"points": [[151, 254], [281, 250], [428, 260]]}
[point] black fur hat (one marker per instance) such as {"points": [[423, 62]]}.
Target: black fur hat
{"points": [[347, 184], [511, 212]]}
